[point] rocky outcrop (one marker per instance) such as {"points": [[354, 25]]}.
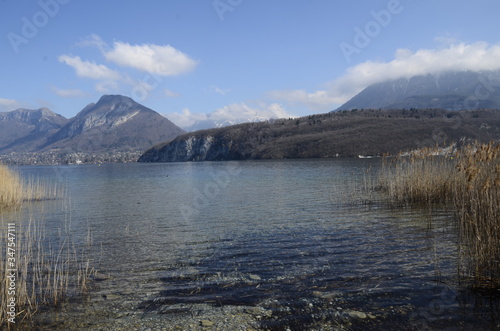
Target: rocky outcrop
{"points": [[192, 148]]}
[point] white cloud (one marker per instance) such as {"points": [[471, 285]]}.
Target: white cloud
{"points": [[456, 57], [154, 59], [186, 119], [8, 104], [241, 112], [228, 115], [318, 100], [69, 93], [88, 69], [106, 86]]}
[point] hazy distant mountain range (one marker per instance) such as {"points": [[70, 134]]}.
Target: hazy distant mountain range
{"points": [[463, 90], [114, 123]]}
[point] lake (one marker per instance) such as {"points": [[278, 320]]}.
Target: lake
{"points": [[282, 244]]}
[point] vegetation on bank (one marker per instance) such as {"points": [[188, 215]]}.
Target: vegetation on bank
{"points": [[467, 178], [38, 270]]}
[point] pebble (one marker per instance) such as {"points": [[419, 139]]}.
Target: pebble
{"points": [[206, 323], [254, 277], [101, 277], [357, 314]]}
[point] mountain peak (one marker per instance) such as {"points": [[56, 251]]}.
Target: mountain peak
{"points": [[113, 105], [115, 98], [32, 115], [114, 122]]}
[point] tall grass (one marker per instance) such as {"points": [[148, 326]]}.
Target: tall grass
{"points": [[467, 179], [49, 269], [477, 201], [11, 191], [421, 178], [14, 191]]}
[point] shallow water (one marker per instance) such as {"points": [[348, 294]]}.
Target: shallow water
{"points": [[295, 237]]}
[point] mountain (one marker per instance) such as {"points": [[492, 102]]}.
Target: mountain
{"points": [[342, 133], [24, 130], [115, 122], [461, 90]]}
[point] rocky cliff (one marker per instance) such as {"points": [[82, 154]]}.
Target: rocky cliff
{"points": [[194, 147]]}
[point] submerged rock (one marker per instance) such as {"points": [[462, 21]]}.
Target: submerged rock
{"points": [[206, 323], [357, 314]]}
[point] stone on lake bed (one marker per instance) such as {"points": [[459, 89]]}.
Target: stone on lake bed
{"points": [[101, 277], [111, 296], [258, 311], [326, 295], [206, 323], [357, 314], [254, 277]]}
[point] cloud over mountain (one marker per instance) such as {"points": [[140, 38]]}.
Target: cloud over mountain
{"points": [[228, 115], [406, 63]]}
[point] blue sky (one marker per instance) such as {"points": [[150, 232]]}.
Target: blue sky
{"points": [[204, 61]]}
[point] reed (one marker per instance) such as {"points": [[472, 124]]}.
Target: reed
{"points": [[49, 269], [467, 179], [11, 191], [477, 201], [14, 191], [423, 178]]}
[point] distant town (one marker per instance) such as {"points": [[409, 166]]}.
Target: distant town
{"points": [[55, 158]]}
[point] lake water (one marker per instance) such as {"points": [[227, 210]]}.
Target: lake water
{"points": [[297, 239]]}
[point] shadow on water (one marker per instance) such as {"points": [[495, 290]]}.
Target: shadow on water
{"points": [[321, 300], [399, 276]]}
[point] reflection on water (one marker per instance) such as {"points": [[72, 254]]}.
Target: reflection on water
{"points": [[285, 235]]}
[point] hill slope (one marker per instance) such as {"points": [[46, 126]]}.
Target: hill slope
{"points": [[464, 90], [345, 133]]}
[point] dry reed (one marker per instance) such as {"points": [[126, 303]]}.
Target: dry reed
{"points": [[467, 179], [14, 191], [420, 178], [47, 270], [477, 201], [11, 191]]}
